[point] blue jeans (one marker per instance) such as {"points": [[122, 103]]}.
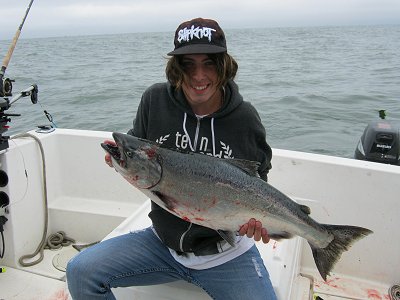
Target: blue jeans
{"points": [[140, 258]]}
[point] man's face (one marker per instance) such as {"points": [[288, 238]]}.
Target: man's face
{"points": [[200, 84]]}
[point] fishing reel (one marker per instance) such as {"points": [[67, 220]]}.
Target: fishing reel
{"points": [[6, 87], [5, 104]]}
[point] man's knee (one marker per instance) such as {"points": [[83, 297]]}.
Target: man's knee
{"points": [[78, 268]]}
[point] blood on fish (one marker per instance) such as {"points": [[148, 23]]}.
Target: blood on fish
{"points": [[210, 202], [133, 179], [151, 153], [186, 219], [199, 219]]}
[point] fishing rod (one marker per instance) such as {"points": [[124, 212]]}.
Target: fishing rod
{"points": [[6, 87]]}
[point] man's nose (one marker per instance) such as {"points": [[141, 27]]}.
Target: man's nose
{"points": [[199, 71]]}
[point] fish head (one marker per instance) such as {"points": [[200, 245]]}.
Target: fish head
{"points": [[135, 159]]}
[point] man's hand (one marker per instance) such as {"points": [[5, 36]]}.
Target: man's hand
{"points": [[107, 158], [254, 229]]}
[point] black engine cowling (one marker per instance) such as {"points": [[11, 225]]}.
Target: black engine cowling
{"points": [[380, 142]]}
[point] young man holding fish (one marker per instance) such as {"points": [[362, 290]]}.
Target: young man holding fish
{"points": [[199, 110]]}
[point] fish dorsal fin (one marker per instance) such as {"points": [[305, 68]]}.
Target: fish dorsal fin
{"points": [[248, 166], [305, 209]]}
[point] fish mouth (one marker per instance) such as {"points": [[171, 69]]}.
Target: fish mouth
{"points": [[114, 151]]}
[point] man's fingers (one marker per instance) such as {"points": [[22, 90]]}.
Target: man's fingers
{"points": [[251, 228], [243, 229], [257, 231], [110, 142], [265, 236]]}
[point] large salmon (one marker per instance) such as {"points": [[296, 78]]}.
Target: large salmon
{"points": [[224, 194]]}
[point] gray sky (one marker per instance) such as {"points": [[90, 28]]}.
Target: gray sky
{"points": [[72, 17]]}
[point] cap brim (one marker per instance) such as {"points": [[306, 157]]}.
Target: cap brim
{"points": [[198, 49]]}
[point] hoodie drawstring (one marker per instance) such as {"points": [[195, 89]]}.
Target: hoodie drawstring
{"points": [[194, 145], [185, 130], [212, 134]]}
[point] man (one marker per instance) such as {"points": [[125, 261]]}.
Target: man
{"points": [[199, 109]]}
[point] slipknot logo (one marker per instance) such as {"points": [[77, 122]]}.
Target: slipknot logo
{"points": [[188, 34]]}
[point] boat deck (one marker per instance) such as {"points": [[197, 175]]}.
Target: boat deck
{"points": [[46, 281], [338, 287], [23, 285]]}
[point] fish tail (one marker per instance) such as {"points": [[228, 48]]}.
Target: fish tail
{"points": [[344, 237]]}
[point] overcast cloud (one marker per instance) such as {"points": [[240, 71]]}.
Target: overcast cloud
{"points": [[72, 17]]}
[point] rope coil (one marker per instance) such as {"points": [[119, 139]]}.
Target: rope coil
{"points": [[58, 240], [394, 292]]}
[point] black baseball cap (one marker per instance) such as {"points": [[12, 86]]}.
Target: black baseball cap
{"points": [[199, 36]]}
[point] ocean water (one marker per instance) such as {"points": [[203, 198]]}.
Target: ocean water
{"points": [[315, 88]]}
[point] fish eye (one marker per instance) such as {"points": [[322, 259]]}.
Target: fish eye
{"points": [[128, 153]]}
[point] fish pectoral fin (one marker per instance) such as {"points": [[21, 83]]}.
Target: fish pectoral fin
{"points": [[228, 236], [280, 235], [163, 200]]}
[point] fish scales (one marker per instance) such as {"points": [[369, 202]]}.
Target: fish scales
{"points": [[201, 180]]}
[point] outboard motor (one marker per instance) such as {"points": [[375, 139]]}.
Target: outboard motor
{"points": [[380, 142]]}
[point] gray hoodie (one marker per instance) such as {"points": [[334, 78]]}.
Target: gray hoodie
{"points": [[234, 131]]}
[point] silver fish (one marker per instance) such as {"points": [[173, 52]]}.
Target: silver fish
{"points": [[224, 194]]}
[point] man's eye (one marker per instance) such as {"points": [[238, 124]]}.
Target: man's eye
{"points": [[187, 64]]}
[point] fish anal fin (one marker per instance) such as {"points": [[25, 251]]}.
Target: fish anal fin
{"points": [[280, 236], [228, 236]]}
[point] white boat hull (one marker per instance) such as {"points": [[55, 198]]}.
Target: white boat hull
{"points": [[90, 202]]}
